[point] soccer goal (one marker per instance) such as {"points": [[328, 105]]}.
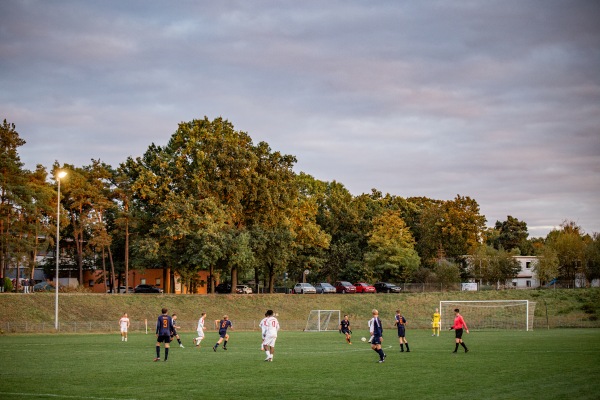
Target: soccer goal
{"points": [[323, 320], [490, 314]]}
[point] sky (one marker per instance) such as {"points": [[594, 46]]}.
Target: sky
{"points": [[495, 100]]}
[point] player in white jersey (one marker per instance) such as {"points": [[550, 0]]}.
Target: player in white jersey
{"points": [[124, 324], [200, 330], [269, 326]]}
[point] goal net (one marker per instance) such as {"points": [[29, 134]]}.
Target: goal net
{"points": [[323, 320], [490, 314]]}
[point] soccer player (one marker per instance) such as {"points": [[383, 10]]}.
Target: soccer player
{"points": [[164, 328], [270, 327], [401, 324], [459, 324], [345, 328], [222, 325], [435, 323], [124, 324], [377, 334], [200, 330], [175, 326]]}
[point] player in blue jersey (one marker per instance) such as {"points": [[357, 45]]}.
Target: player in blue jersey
{"points": [[377, 335], [222, 325], [345, 328], [401, 324], [164, 327]]}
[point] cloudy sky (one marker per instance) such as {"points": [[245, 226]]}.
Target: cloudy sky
{"points": [[496, 100]]}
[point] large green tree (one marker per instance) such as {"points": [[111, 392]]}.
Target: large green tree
{"points": [[391, 254]]}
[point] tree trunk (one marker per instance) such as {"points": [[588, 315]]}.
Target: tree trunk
{"points": [[233, 279], [104, 269], [126, 253]]}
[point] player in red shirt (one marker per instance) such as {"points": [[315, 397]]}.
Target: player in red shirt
{"points": [[459, 324]]}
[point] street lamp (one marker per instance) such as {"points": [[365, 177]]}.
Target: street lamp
{"points": [[59, 176]]}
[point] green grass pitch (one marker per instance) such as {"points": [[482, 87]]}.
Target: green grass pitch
{"points": [[560, 363]]}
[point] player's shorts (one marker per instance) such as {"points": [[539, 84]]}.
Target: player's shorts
{"points": [[223, 334], [435, 324], [164, 339], [269, 341], [376, 340], [124, 330], [346, 331], [401, 332], [458, 333], [201, 333]]}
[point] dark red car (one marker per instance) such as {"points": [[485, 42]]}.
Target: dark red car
{"points": [[362, 287], [344, 287]]}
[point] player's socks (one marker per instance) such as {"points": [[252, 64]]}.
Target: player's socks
{"points": [[166, 353], [157, 351], [179, 340], [456, 348], [407, 349], [401, 347], [225, 345], [465, 347]]}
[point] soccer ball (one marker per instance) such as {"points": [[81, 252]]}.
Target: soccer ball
{"points": [[363, 339]]}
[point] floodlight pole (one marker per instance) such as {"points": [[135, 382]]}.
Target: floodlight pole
{"points": [[61, 174]]}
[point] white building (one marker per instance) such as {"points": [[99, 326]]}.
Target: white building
{"points": [[526, 277]]}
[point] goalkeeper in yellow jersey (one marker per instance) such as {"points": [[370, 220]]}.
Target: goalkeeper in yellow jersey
{"points": [[435, 323]]}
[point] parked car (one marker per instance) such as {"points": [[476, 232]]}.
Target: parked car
{"points": [[324, 288], [243, 289], [122, 290], [44, 287], [223, 288], [362, 287], [386, 287], [344, 287], [147, 289], [304, 288]]}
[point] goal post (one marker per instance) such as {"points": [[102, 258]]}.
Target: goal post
{"points": [[323, 321], [490, 314]]}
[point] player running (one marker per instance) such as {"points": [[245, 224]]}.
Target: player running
{"points": [[222, 325], [174, 333], [345, 328], [200, 329]]}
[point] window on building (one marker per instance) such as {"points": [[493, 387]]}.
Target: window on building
{"points": [[143, 281], [514, 284], [157, 281], [91, 283], [528, 283], [528, 264]]}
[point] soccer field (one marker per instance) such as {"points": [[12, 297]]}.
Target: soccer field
{"points": [[560, 363]]}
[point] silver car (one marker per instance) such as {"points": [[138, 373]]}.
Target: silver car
{"points": [[304, 288], [324, 288]]}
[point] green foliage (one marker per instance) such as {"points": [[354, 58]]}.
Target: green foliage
{"points": [[512, 234]]}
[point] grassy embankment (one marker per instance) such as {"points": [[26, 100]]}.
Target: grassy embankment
{"points": [[580, 307]]}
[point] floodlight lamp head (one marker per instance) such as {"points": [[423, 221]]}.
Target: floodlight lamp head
{"points": [[61, 174]]}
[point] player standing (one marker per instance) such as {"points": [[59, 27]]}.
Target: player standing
{"points": [[401, 324], [164, 328], [175, 326], [435, 323], [270, 327], [200, 330], [223, 336], [377, 335], [124, 324], [459, 324], [345, 328]]}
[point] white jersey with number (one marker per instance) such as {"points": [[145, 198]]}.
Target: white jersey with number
{"points": [[269, 327], [200, 328]]}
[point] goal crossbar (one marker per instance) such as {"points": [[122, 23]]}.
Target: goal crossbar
{"points": [[490, 313]]}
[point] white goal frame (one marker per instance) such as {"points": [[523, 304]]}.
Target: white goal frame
{"points": [[321, 321], [528, 316]]}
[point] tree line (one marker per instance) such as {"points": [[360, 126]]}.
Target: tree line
{"points": [[211, 199]]}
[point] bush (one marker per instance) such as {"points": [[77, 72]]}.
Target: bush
{"points": [[8, 286]]}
